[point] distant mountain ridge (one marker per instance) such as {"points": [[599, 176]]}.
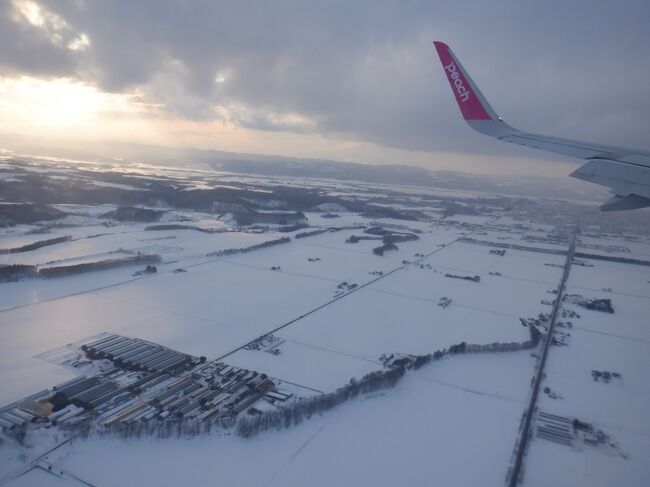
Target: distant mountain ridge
{"points": [[122, 153]]}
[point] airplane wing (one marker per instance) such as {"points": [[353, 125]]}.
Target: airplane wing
{"points": [[625, 171]]}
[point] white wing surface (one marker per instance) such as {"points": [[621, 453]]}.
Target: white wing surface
{"points": [[625, 171]]}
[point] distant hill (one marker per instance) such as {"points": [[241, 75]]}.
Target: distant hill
{"points": [[121, 153]]}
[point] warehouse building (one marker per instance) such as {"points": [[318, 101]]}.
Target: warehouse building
{"points": [[135, 354]]}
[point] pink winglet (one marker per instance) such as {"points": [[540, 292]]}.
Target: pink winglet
{"points": [[469, 104]]}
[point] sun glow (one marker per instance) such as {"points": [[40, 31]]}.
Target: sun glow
{"points": [[69, 111], [63, 105], [50, 25]]}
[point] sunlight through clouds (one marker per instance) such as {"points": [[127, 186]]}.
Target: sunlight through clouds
{"points": [[54, 27], [322, 80], [63, 104]]}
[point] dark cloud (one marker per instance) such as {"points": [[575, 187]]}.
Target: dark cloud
{"points": [[26, 50], [363, 69]]}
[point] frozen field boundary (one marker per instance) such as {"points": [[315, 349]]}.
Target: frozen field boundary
{"points": [[334, 300]]}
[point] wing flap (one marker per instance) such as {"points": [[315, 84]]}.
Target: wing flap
{"points": [[620, 203], [622, 179], [580, 150]]}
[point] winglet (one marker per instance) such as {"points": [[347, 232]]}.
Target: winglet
{"points": [[471, 102]]}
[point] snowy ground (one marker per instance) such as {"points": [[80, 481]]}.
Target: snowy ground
{"points": [[618, 342], [207, 311], [452, 422], [423, 430]]}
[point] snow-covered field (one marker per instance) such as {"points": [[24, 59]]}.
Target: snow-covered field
{"points": [[222, 303], [453, 421], [619, 343], [335, 308]]}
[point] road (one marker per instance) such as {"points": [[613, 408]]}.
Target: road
{"points": [[514, 472], [23, 469]]}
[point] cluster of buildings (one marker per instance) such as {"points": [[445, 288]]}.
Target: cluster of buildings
{"points": [[238, 214], [133, 381], [602, 304], [604, 375], [572, 432], [216, 390], [466, 278], [500, 253], [265, 342], [596, 304], [20, 415], [134, 354]]}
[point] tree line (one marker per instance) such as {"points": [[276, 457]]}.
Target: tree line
{"points": [[285, 416], [243, 250]]}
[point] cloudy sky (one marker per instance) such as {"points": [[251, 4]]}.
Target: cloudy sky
{"points": [[347, 80]]}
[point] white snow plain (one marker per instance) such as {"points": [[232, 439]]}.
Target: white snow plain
{"points": [[452, 422]]}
